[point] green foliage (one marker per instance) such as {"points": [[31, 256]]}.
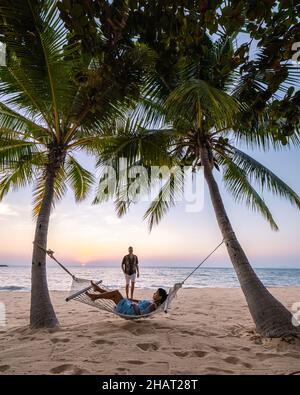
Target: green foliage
{"points": [[179, 31], [202, 115], [56, 98], [79, 178]]}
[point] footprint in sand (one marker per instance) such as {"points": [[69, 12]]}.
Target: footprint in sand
{"points": [[245, 349], [136, 362], [161, 327], [59, 340], [264, 356], [77, 371], [148, 346], [68, 369], [235, 361], [101, 341], [4, 368], [181, 353], [61, 368], [122, 370], [199, 354], [98, 333], [218, 348], [85, 336], [196, 353], [232, 360]]}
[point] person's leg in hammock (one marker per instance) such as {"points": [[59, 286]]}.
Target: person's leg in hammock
{"points": [[127, 306], [96, 288], [123, 306], [115, 295]]}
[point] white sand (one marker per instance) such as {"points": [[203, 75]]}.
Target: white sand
{"points": [[209, 331]]}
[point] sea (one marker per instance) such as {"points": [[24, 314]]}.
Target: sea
{"points": [[17, 278]]}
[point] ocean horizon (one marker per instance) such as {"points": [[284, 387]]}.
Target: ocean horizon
{"points": [[18, 278]]}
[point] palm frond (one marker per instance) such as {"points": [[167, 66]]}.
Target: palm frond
{"points": [[136, 143], [37, 77], [260, 137], [107, 185], [103, 97], [53, 39], [79, 179], [13, 151], [266, 179], [117, 182], [196, 100], [168, 194], [238, 185], [17, 123], [20, 171]]}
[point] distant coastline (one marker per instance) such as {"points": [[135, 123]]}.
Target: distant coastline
{"points": [[3, 265]]}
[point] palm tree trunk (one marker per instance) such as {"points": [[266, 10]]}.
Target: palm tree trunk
{"points": [[271, 318], [42, 314]]}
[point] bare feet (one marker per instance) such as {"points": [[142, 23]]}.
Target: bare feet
{"points": [[95, 286], [91, 296]]}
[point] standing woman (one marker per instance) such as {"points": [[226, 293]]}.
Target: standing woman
{"points": [[130, 267]]}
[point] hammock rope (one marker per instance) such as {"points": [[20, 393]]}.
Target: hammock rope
{"points": [[81, 286], [204, 260]]}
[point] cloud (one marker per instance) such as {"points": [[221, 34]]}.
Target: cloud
{"points": [[7, 210], [112, 220]]}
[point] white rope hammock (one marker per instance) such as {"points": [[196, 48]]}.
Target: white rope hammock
{"points": [[80, 286]]}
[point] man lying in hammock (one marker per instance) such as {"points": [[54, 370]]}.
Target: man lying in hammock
{"points": [[129, 306]]}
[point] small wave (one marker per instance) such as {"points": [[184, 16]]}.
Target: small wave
{"points": [[157, 286], [13, 288]]}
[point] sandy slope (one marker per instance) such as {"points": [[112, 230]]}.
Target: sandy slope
{"points": [[209, 331]]}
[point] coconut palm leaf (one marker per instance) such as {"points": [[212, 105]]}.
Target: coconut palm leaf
{"points": [[196, 99], [19, 170], [13, 151], [19, 124], [34, 78], [136, 143], [260, 137], [265, 178], [79, 179], [167, 197], [237, 183]]}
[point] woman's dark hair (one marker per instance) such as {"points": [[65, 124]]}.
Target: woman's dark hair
{"points": [[163, 294]]}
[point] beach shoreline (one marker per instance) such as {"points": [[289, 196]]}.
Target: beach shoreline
{"points": [[208, 331]]}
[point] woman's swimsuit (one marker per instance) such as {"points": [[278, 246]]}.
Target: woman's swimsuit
{"points": [[125, 307]]}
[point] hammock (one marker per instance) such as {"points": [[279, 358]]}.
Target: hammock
{"points": [[78, 293], [81, 285]]}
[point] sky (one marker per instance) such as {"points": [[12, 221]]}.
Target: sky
{"points": [[86, 234]]}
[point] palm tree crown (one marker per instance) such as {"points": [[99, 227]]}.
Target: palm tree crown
{"points": [[203, 108], [54, 102]]}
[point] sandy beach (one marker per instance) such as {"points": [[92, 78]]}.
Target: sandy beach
{"points": [[212, 334]]}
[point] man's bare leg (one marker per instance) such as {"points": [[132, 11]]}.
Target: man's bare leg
{"points": [[116, 296], [127, 291], [132, 289]]}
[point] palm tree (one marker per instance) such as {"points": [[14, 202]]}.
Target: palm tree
{"points": [[54, 102], [197, 122]]}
